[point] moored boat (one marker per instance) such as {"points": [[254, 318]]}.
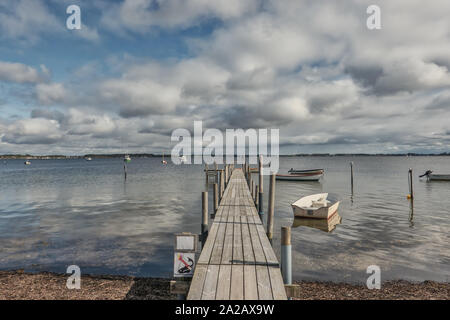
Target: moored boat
{"points": [[435, 176], [327, 225], [311, 171], [316, 206], [127, 158], [27, 163]]}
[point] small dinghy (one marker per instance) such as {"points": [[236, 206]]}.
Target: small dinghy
{"points": [[435, 176], [302, 175], [327, 225], [315, 206]]}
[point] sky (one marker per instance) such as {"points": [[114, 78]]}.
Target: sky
{"points": [[139, 69]]}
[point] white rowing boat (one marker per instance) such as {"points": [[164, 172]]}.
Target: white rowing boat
{"points": [[435, 176], [327, 225], [302, 175], [315, 206]]}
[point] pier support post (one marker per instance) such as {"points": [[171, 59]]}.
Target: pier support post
{"points": [[410, 180], [255, 198], [261, 192], [222, 184], [204, 217], [252, 190], [270, 216], [286, 255], [216, 200], [207, 177], [351, 175], [216, 176]]}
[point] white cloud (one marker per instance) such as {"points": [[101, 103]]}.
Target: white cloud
{"points": [[19, 73], [50, 93]]}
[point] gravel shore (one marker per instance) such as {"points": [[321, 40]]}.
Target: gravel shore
{"points": [[48, 286]]}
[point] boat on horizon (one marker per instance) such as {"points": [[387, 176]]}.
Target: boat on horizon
{"points": [[27, 163], [316, 206], [163, 161], [127, 158], [182, 159], [88, 159]]}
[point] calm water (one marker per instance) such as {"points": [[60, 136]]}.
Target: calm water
{"points": [[55, 213]]}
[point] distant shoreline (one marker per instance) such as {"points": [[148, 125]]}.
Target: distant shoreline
{"points": [[151, 155]]}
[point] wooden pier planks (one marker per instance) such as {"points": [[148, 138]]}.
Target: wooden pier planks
{"points": [[237, 261]]}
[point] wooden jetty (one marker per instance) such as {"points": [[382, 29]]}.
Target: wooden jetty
{"points": [[237, 261]]}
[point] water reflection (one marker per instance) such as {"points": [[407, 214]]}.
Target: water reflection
{"points": [[327, 225]]}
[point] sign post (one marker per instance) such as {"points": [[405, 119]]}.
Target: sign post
{"points": [[184, 257]]}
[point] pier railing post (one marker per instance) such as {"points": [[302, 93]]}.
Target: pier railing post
{"points": [[222, 184], [270, 216], [204, 217], [286, 255], [261, 193], [216, 200]]}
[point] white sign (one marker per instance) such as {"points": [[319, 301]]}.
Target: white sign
{"points": [[184, 264], [187, 242]]}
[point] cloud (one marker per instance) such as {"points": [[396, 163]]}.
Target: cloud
{"points": [[139, 16], [24, 20], [33, 131], [310, 68], [21, 73], [50, 93]]}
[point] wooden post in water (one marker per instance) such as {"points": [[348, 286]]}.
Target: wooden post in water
{"points": [[286, 255], [207, 177], [215, 199], [204, 217], [270, 216], [351, 175], [216, 177], [252, 190], [125, 170], [261, 193], [410, 180]]}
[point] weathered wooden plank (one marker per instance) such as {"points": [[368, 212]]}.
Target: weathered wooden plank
{"points": [[205, 255], [248, 255], [210, 286], [276, 281], [216, 255], [227, 254], [198, 280], [238, 256], [224, 283], [250, 283], [264, 286], [271, 258], [260, 257], [237, 282]]}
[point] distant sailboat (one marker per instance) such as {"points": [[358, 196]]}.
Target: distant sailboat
{"points": [[127, 158], [183, 159], [88, 159], [163, 161]]}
